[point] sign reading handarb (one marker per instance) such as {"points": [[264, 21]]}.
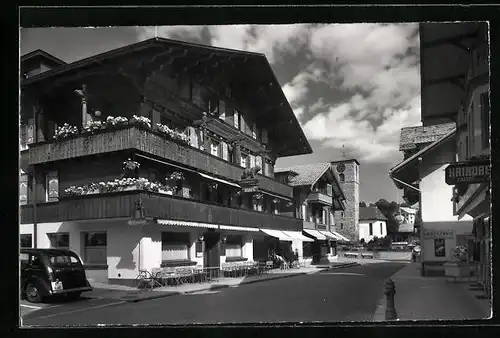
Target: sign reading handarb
{"points": [[468, 172]]}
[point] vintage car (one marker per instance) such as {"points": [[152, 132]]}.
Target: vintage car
{"points": [[51, 272]]}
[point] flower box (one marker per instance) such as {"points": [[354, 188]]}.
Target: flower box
{"points": [[456, 269]]}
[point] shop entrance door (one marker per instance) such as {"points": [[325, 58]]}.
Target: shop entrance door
{"points": [[212, 250]]}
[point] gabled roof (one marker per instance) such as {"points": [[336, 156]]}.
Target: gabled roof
{"points": [[406, 227], [412, 136], [408, 210], [344, 161], [42, 54], [371, 213], [308, 174]]}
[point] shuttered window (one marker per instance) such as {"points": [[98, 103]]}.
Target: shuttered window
{"points": [[225, 153], [23, 189], [51, 186], [234, 246], [254, 130], [214, 147], [236, 116], [329, 190], [174, 246], [252, 161]]}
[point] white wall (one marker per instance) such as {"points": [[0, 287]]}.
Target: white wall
{"points": [[436, 203], [364, 229], [427, 245]]}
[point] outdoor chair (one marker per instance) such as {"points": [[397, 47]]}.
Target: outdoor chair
{"points": [[269, 266]]}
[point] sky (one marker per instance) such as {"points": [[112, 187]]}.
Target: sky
{"points": [[352, 87]]}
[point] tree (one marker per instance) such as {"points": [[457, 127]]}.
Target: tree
{"points": [[389, 210], [372, 205], [362, 204]]}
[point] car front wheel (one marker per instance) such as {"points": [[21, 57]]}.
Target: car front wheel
{"points": [[33, 293]]}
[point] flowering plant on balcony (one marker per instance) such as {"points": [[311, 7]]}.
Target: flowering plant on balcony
{"points": [[459, 253], [276, 201], [258, 196], [131, 165], [93, 126], [176, 176], [116, 121], [172, 133], [65, 131], [115, 185], [141, 120]]}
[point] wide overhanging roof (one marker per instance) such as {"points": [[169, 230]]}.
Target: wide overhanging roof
{"points": [[407, 170], [251, 70]]}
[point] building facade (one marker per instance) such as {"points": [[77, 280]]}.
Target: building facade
{"points": [[455, 87], [160, 153], [372, 223], [347, 221], [408, 215], [317, 195]]}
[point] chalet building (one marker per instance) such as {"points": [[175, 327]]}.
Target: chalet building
{"points": [[160, 153], [372, 223], [347, 221], [408, 215], [317, 195], [454, 204]]}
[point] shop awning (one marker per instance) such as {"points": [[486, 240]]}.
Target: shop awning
{"points": [[330, 235], [316, 234], [298, 236], [236, 228], [165, 163], [219, 180], [342, 238], [187, 224], [277, 196], [277, 234]]}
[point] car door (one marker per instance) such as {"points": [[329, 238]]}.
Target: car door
{"points": [[35, 269], [68, 269], [24, 261]]}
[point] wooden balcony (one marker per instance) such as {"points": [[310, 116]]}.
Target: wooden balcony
{"points": [[46, 212], [121, 205], [320, 198], [150, 142]]}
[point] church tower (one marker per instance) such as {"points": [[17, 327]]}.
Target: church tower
{"points": [[347, 221]]}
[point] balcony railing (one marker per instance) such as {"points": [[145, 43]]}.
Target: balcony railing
{"points": [[45, 212], [150, 142], [122, 205], [318, 197]]}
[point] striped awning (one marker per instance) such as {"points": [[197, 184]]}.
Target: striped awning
{"points": [[331, 235], [219, 180], [298, 236], [277, 234], [342, 238], [315, 233], [236, 228], [187, 224]]}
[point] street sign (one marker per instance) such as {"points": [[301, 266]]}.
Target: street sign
{"points": [[249, 189], [468, 172]]}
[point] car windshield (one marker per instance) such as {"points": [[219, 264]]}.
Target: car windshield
{"points": [[62, 259]]}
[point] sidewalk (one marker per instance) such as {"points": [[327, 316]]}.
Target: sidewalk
{"points": [[431, 298], [363, 261], [131, 294]]}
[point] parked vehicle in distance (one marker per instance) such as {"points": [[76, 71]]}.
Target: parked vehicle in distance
{"points": [[415, 253], [50, 272]]}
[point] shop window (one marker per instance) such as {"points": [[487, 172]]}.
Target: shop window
{"points": [[485, 116], [175, 246], [95, 248], [307, 248], [51, 186], [26, 240], [370, 229], [341, 178], [234, 246], [59, 240]]}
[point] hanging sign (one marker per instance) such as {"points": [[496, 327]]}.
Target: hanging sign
{"points": [[468, 172]]}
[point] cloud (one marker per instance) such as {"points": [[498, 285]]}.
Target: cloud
{"points": [[185, 33]]}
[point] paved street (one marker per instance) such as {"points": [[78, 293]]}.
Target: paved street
{"points": [[349, 294]]}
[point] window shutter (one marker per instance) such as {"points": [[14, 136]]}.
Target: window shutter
{"points": [[236, 119], [225, 151], [222, 110], [243, 161], [252, 161], [254, 130], [23, 189], [264, 136], [193, 137], [30, 131], [258, 162], [52, 186]]}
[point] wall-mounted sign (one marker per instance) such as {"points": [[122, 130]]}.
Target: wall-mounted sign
{"points": [[429, 234], [249, 189], [133, 222], [468, 172]]}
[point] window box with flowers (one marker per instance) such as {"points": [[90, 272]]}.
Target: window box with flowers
{"points": [[65, 131], [172, 133], [140, 120], [458, 266]]}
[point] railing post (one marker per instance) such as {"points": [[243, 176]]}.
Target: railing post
{"points": [[390, 291]]}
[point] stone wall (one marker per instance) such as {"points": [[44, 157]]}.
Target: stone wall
{"points": [[348, 225]]}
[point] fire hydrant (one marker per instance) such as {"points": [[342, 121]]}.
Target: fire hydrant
{"points": [[390, 291]]}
